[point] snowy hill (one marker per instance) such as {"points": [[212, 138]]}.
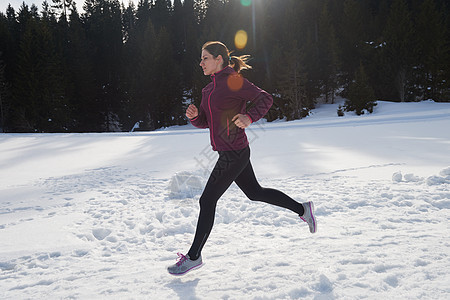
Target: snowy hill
{"points": [[91, 216]]}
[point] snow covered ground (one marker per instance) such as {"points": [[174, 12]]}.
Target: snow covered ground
{"points": [[88, 216]]}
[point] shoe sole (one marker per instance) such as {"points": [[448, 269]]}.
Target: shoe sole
{"points": [[187, 271], [311, 210]]}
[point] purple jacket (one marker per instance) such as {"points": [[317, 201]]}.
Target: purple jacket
{"points": [[222, 99]]}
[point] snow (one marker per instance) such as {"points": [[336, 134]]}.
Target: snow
{"points": [[94, 216]]}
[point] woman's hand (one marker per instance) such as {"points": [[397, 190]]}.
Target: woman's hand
{"points": [[192, 112], [242, 121]]}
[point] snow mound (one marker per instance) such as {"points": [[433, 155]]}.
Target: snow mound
{"points": [[397, 177], [412, 178], [445, 172], [438, 180], [185, 185], [444, 177]]}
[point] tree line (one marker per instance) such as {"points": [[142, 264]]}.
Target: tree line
{"points": [[113, 65]]}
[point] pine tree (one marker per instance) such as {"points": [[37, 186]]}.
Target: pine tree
{"points": [[213, 22], [328, 57], [47, 11], [177, 31], [12, 41], [104, 32], [292, 85], [6, 42], [81, 87], [397, 51], [8, 50], [200, 7], [167, 99], [310, 12], [40, 103], [143, 14], [160, 14], [183, 31], [189, 62], [11, 18], [352, 34], [141, 74], [431, 49], [4, 93], [128, 20], [63, 7], [360, 96], [289, 70]]}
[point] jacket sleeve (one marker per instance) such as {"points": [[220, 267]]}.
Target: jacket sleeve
{"points": [[261, 100], [200, 121]]}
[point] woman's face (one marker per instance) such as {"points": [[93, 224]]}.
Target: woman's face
{"points": [[209, 63]]}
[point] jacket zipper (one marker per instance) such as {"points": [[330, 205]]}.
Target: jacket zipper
{"points": [[210, 111]]}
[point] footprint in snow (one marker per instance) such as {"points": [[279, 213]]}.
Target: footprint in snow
{"points": [[101, 233], [80, 253], [7, 266]]}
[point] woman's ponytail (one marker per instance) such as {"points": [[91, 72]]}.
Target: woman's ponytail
{"points": [[239, 63]]}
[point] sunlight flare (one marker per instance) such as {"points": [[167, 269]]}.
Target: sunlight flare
{"points": [[240, 39]]}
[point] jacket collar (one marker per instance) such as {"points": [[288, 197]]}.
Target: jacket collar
{"points": [[225, 71]]}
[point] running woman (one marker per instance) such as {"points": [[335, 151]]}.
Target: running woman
{"points": [[223, 111]]}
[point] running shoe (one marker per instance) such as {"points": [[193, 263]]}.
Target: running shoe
{"points": [[308, 216], [184, 265]]}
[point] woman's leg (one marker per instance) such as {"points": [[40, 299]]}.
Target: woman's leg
{"points": [[248, 183], [227, 168]]}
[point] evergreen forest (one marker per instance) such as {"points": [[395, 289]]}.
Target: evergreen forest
{"points": [[116, 64]]}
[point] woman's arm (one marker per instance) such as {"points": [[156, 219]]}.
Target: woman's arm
{"points": [[262, 103], [261, 100], [197, 118]]}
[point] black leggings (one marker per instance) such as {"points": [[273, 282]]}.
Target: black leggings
{"points": [[233, 166]]}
